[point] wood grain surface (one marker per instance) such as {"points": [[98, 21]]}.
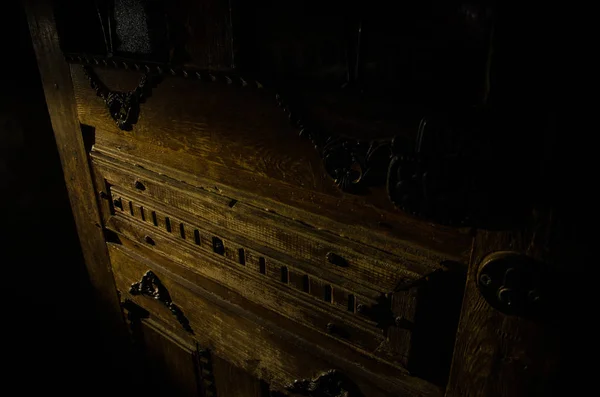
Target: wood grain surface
{"points": [[503, 355], [234, 139]]}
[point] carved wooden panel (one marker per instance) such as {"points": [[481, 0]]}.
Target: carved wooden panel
{"points": [[345, 315], [265, 344], [276, 264], [375, 269]]}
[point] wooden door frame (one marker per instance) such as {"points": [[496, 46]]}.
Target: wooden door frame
{"points": [[60, 99]]}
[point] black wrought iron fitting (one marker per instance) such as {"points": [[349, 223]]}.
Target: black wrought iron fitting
{"points": [[152, 287], [512, 283], [331, 383], [123, 107], [356, 165], [353, 164]]}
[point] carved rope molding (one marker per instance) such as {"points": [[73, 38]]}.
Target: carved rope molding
{"points": [[430, 184], [152, 287], [123, 107]]}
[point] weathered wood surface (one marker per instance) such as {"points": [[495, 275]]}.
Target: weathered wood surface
{"points": [[240, 226], [498, 355], [226, 138], [259, 344], [261, 289], [375, 269], [340, 217], [58, 89]]}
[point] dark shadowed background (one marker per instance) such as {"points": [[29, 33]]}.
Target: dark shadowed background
{"points": [[52, 338]]}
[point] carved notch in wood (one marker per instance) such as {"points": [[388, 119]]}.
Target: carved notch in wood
{"points": [[330, 383], [151, 286], [124, 107]]}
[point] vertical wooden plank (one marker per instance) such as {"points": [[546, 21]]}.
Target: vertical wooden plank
{"points": [[498, 355], [403, 306], [60, 100]]}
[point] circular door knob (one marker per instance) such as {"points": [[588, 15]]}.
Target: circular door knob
{"points": [[511, 282]]}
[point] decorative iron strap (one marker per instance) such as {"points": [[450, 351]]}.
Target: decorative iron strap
{"points": [[151, 286]]}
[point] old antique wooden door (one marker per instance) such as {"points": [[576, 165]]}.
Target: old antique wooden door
{"points": [[315, 198]]}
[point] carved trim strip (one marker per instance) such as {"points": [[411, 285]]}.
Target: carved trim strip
{"points": [[151, 286], [377, 310], [205, 372], [209, 76]]}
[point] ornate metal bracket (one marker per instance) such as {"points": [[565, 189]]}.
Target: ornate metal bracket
{"points": [[151, 286], [123, 107], [354, 165], [330, 383]]}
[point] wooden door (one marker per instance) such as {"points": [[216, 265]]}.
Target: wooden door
{"points": [[339, 74]]}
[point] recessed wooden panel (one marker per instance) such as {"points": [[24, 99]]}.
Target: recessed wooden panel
{"points": [[173, 364], [260, 345]]}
